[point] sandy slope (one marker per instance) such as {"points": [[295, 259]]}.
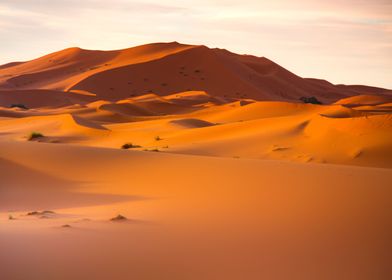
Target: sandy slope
{"points": [[197, 123], [166, 68], [227, 176], [192, 217]]}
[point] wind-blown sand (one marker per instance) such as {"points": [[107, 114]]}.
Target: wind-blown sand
{"points": [[227, 175]]}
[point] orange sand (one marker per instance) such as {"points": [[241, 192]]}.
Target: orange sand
{"points": [[232, 178]]}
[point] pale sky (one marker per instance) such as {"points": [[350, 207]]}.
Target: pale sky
{"points": [[343, 41]]}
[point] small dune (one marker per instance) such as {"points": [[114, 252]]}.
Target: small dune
{"points": [[127, 109], [361, 100], [341, 112], [191, 123]]}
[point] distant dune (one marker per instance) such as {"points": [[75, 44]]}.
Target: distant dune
{"points": [[166, 68]]}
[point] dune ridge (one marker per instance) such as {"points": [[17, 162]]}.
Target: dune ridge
{"points": [[166, 68]]}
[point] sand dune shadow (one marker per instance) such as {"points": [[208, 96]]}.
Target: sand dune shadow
{"points": [[25, 189]]}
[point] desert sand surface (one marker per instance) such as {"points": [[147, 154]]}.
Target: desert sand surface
{"points": [[172, 161]]}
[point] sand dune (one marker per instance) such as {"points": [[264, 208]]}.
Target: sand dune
{"points": [[40, 98], [191, 123], [252, 129], [167, 68], [171, 161], [60, 70], [359, 100]]}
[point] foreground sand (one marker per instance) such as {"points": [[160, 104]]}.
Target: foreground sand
{"points": [[190, 217]]}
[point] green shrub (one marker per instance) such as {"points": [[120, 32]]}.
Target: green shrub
{"points": [[35, 135]]}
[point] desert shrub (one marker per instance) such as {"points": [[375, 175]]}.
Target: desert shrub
{"points": [[129, 146], [151, 150], [35, 135], [311, 100], [21, 106], [119, 218], [38, 213], [157, 138]]}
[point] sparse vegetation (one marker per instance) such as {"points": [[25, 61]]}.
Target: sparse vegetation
{"points": [[311, 100], [37, 213], [129, 146], [21, 106], [119, 218], [35, 135], [157, 138], [152, 150], [10, 217]]}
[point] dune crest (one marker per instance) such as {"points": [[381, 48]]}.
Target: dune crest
{"points": [[167, 68]]}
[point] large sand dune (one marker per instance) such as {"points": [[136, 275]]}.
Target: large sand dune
{"points": [[220, 168], [167, 68]]}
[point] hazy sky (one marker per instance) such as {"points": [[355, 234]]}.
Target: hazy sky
{"points": [[343, 41]]}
